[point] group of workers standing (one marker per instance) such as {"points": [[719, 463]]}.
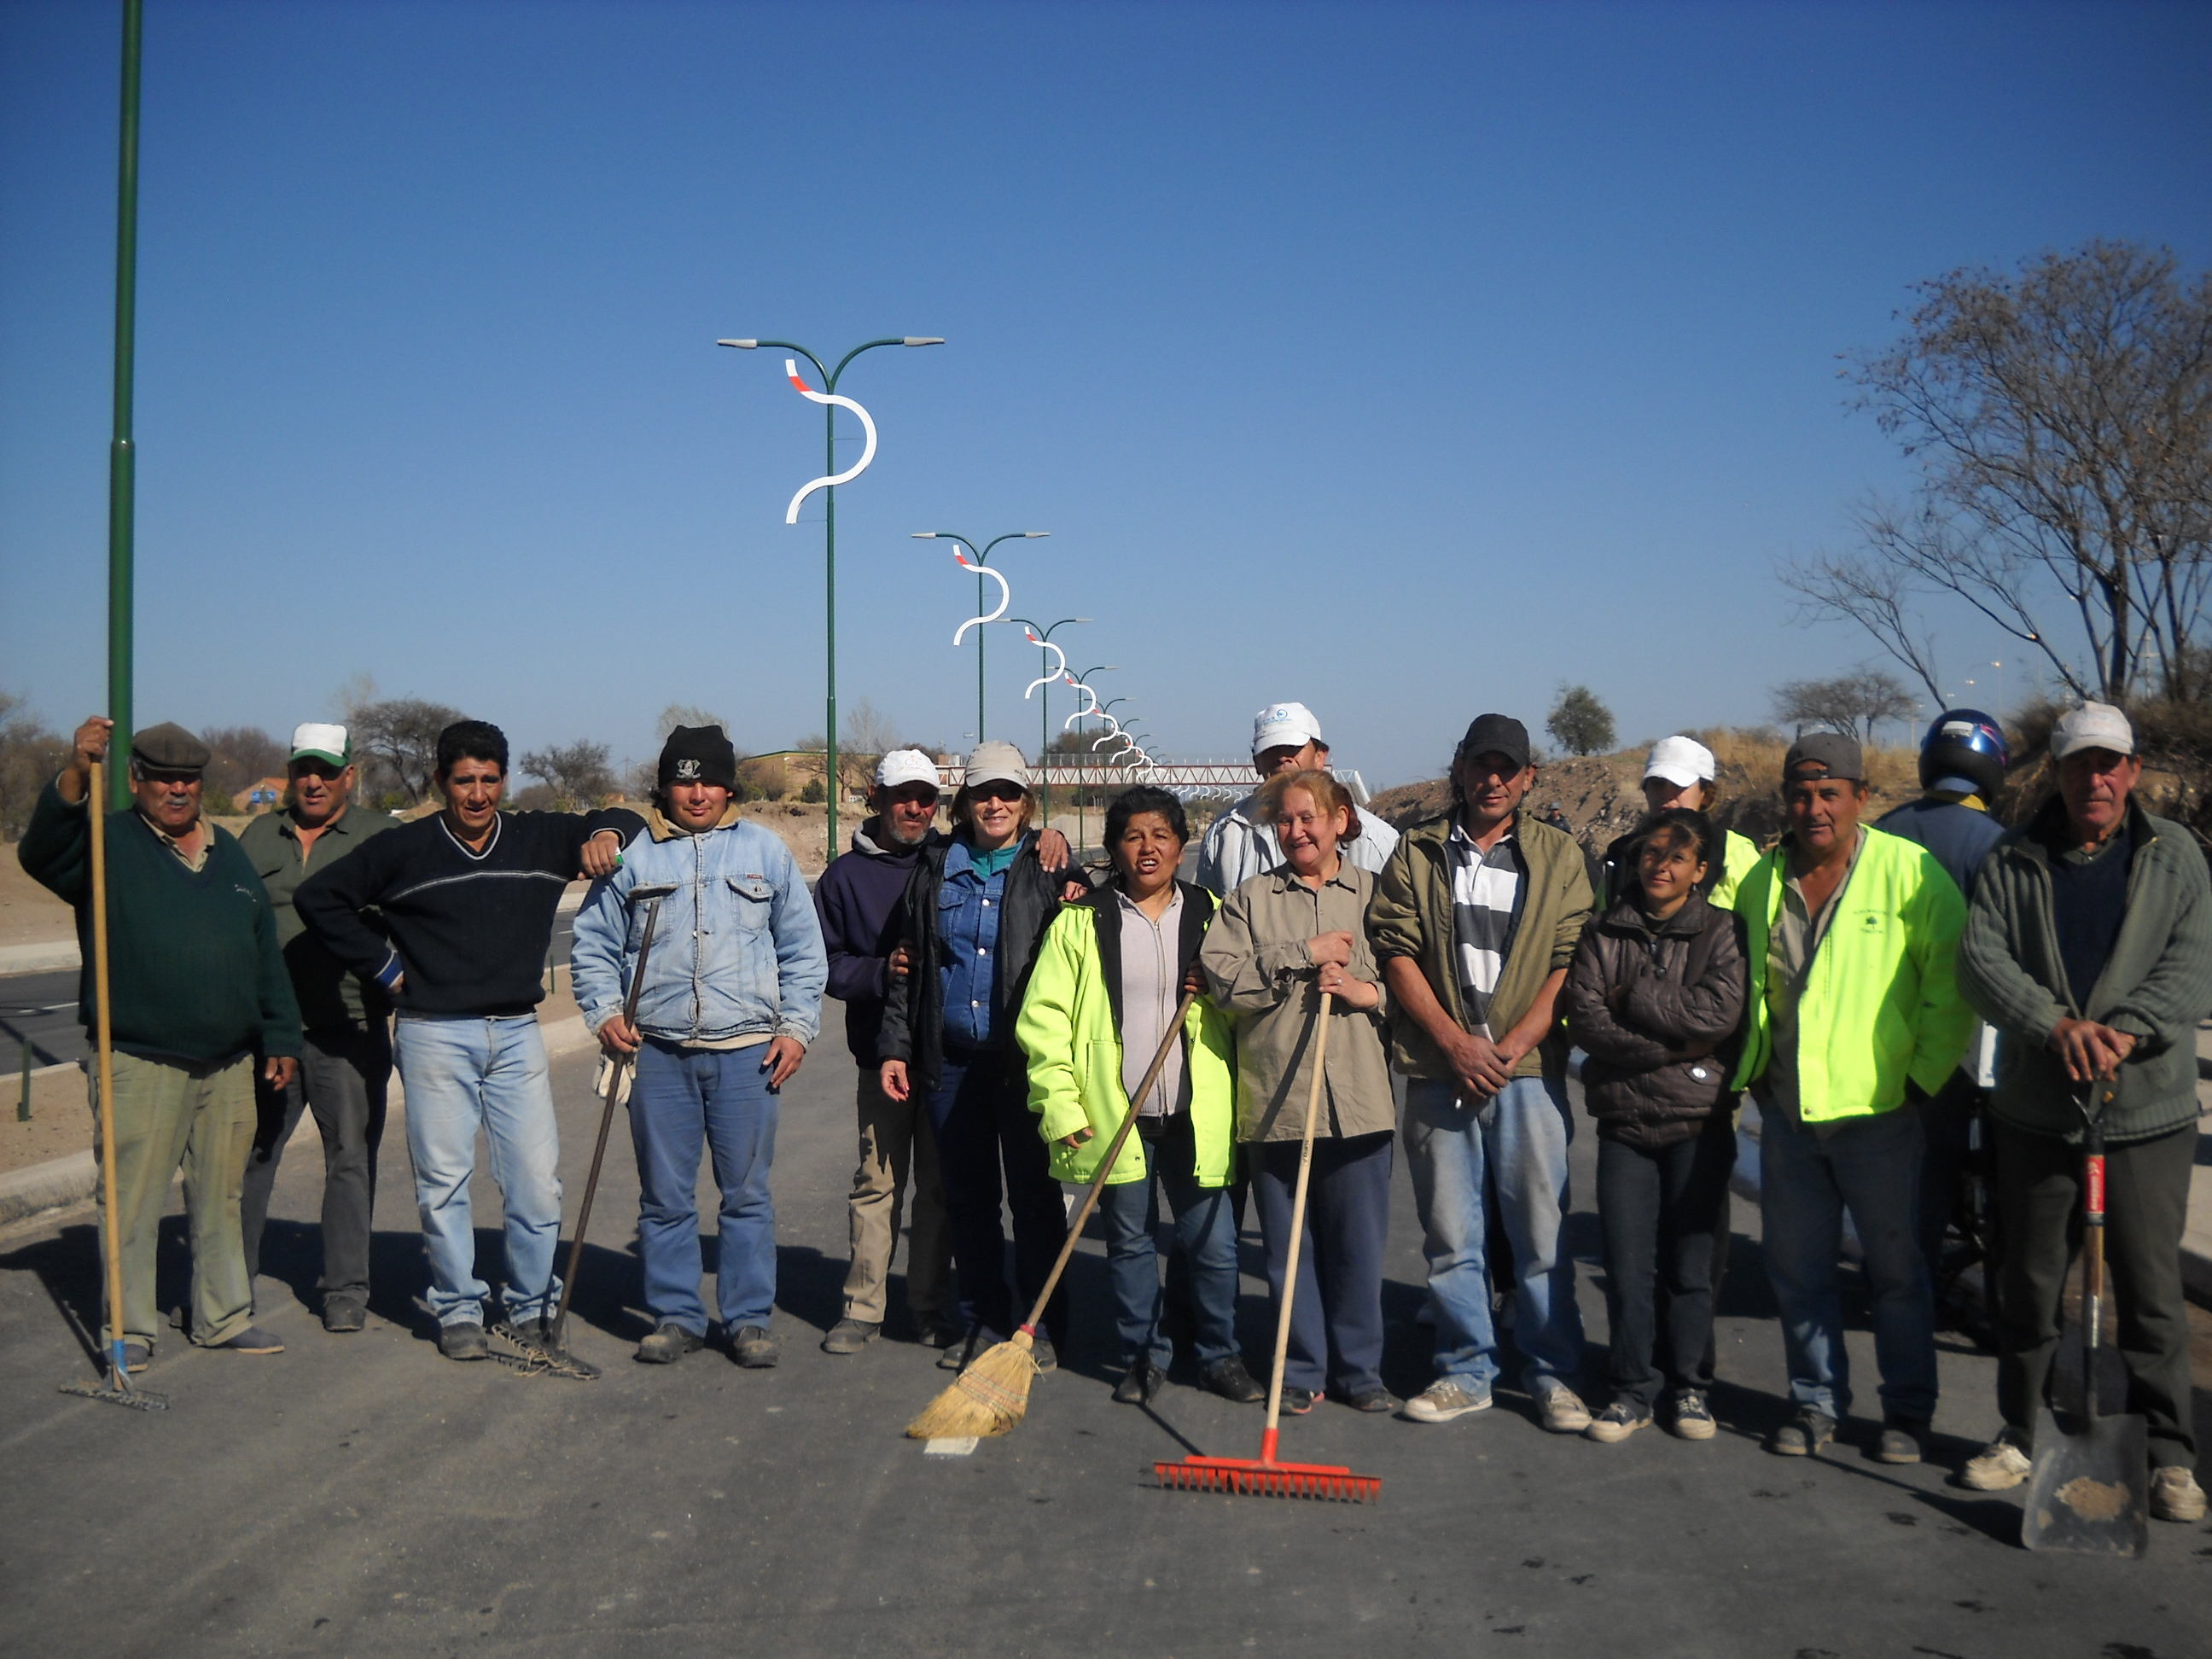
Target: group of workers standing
{"points": [[1872, 989]]}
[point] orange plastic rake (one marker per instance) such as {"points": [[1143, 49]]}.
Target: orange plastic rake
{"points": [[1263, 1476]]}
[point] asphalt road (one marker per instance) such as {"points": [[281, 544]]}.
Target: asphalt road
{"points": [[42, 1008], [359, 1495]]}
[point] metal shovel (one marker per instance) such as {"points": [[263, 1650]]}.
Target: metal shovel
{"points": [[2089, 1492]]}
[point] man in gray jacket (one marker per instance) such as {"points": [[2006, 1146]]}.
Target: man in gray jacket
{"points": [[1241, 844], [2089, 947]]}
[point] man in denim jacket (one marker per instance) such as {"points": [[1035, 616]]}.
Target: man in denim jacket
{"points": [[733, 995]]}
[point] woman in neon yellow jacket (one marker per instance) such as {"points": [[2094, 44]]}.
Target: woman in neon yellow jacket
{"points": [[1107, 979]]}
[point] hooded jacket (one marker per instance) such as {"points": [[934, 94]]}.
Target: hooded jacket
{"points": [[857, 901], [1686, 987]]}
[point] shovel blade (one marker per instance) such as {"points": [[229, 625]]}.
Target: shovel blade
{"points": [[2089, 1492]]}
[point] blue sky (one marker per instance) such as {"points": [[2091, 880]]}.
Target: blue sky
{"points": [[1408, 360]]}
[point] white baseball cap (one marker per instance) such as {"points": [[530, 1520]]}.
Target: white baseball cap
{"points": [[315, 741], [2092, 726], [904, 766], [1282, 724], [997, 763], [1681, 761]]}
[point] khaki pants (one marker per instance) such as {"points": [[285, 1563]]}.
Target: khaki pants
{"points": [[169, 1112], [896, 1145]]}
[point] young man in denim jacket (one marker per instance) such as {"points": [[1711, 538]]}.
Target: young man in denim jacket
{"points": [[731, 997]]}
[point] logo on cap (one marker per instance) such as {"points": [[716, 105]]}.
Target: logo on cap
{"points": [[687, 770]]}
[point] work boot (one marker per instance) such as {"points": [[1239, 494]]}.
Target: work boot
{"points": [[1562, 1411], [959, 1352], [1803, 1434], [1230, 1380], [1377, 1400], [342, 1314], [1139, 1382], [850, 1335], [667, 1344], [2000, 1466], [2175, 1495], [753, 1348], [462, 1341], [1901, 1441]]}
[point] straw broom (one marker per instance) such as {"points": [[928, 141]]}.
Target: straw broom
{"points": [[992, 1394]]}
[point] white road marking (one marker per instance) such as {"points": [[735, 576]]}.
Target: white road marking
{"points": [[957, 1445]]}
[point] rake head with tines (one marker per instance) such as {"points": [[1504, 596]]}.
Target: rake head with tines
{"points": [[1263, 1477]]}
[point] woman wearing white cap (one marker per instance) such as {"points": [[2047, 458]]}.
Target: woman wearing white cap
{"points": [[975, 911], [1679, 773]]}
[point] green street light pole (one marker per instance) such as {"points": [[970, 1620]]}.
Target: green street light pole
{"points": [[1080, 768], [122, 455], [982, 557], [829, 379], [1044, 704]]}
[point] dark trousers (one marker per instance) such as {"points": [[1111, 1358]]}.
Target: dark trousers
{"points": [[1947, 1118], [1662, 1215], [985, 1130], [2038, 1193], [1336, 1316], [344, 1071]]}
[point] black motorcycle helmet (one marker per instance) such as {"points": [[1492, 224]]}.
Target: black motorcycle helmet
{"points": [[1964, 745]]}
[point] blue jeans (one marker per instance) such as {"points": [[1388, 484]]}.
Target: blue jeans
{"points": [[980, 1110], [1871, 1165], [1336, 1312], [1204, 1233], [461, 1075], [1517, 1141], [680, 1099]]}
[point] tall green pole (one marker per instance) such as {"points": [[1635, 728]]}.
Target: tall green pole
{"points": [[829, 563], [122, 469]]}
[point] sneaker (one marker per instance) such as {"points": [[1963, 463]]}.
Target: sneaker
{"points": [[343, 1314], [1042, 1354], [1901, 1441], [2000, 1466], [2175, 1495], [850, 1335], [1445, 1399], [1378, 1400], [668, 1345], [462, 1341], [1139, 1383], [1563, 1411], [253, 1339], [1229, 1378], [1803, 1434], [1693, 1418], [1297, 1402], [1617, 1422], [753, 1348]]}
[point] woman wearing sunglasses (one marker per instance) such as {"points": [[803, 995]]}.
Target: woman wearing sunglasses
{"points": [[975, 911]]}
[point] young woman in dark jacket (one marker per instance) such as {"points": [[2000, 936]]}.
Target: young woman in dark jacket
{"points": [[1654, 999], [975, 910]]}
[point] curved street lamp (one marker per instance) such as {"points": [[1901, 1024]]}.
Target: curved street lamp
{"points": [[982, 557], [1042, 636]]}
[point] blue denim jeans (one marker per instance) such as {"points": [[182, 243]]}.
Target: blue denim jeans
{"points": [[1204, 1234], [681, 1099], [463, 1075], [1517, 1141], [1872, 1166]]}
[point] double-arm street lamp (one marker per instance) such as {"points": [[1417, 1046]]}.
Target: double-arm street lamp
{"points": [[1096, 708], [982, 557], [1043, 637], [829, 379]]}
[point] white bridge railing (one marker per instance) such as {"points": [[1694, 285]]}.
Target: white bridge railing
{"points": [[1185, 778]]}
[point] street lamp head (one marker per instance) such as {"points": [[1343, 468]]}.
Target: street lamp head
{"points": [[924, 535], [1035, 535], [922, 340], [742, 345]]}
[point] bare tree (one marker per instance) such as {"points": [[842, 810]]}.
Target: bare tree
{"points": [[397, 739], [868, 729], [577, 773], [1853, 703], [31, 756], [2062, 420], [684, 713], [240, 755]]}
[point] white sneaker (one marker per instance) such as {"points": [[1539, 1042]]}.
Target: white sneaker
{"points": [[2175, 1495], [1564, 1411], [2000, 1466], [1444, 1400]]}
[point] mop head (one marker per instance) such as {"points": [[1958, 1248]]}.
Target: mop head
{"points": [[1263, 1478], [990, 1397], [119, 1393], [534, 1358]]}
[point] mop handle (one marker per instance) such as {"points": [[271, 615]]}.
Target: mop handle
{"points": [[95, 806], [1113, 1156], [1297, 1230]]}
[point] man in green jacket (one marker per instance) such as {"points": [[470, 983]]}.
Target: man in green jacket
{"points": [[2089, 948], [197, 988], [1853, 1014], [346, 1064]]}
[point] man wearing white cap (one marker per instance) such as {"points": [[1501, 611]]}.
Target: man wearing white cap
{"points": [[1241, 844], [2088, 945], [1679, 772], [347, 1062]]}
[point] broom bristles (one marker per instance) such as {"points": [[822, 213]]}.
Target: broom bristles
{"points": [[988, 1398]]}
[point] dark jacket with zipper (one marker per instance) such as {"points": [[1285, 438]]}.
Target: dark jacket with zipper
{"points": [[1686, 986], [914, 1014]]}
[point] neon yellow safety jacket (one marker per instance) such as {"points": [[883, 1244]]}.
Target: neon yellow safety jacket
{"points": [[1738, 855], [1881, 1003]]}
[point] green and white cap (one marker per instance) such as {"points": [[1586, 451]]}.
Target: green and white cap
{"points": [[315, 741]]}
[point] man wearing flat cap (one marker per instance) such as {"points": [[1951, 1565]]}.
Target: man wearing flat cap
{"points": [[197, 988], [346, 1063], [2088, 946], [1853, 1021]]}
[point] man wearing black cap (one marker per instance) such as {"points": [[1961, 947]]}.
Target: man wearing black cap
{"points": [[1475, 918], [466, 900], [1850, 935], [196, 987]]}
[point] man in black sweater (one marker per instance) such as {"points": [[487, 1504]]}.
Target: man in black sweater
{"points": [[467, 899]]}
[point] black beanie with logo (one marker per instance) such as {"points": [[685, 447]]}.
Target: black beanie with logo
{"points": [[698, 754]]}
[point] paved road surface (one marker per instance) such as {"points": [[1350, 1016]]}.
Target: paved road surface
{"points": [[42, 1008], [358, 1495]]}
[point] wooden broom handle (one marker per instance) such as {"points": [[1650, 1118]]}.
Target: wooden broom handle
{"points": [[1297, 1228]]}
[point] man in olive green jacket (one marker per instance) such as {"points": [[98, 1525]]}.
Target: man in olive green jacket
{"points": [[2089, 947], [1474, 919], [347, 1064]]}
